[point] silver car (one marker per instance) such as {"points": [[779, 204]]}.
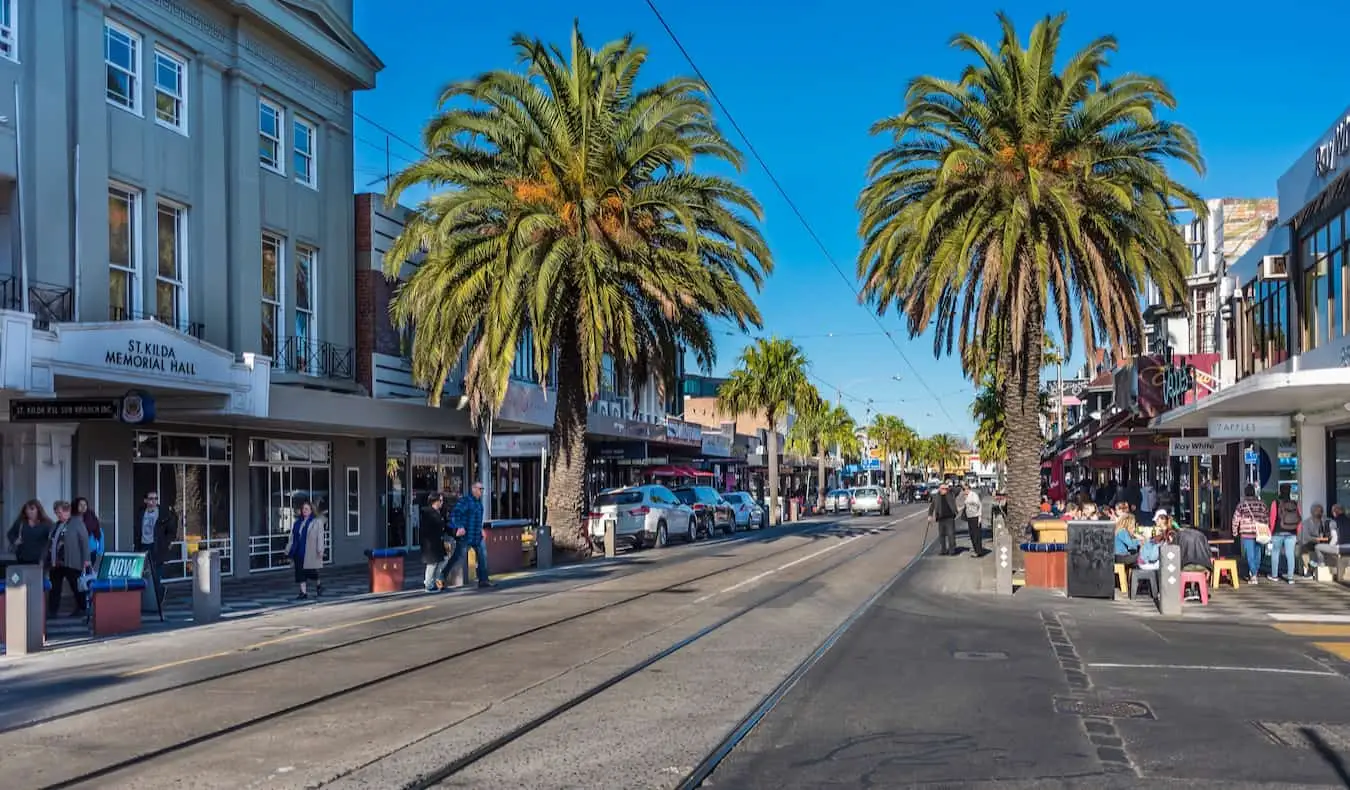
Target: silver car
{"points": [[838, 501], [871, 499]]}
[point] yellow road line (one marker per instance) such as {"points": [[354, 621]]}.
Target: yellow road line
{"points": [[1337, 649], [278, 640], [1314, 629]]}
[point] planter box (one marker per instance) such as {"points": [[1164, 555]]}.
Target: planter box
{"points": [[1046, 565], [385, 569], [117, 605]]}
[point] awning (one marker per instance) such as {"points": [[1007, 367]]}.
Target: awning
{"points": [[676, 471], [1325, 390]]}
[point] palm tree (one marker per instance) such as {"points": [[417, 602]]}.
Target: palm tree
{"points": [[771, 380], [817, 430], [945, 453], [891, 435], [567, 222], [1018, 193]]}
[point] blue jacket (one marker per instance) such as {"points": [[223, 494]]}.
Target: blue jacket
{"points": [[1125, 542], [468, 516]]}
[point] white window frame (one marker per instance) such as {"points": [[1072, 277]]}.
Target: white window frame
{"points": [[279, 306], [310, 178], [307, 256], [279, 166], [181, 97], [9, 30], [181, 322], [136, 73], [136, 226], [353, 473]]}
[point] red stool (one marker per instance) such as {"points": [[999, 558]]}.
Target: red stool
{"points": [[1200, 578]]}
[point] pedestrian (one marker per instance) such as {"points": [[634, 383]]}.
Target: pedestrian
{"points": [[466, 520], [305, 549], [972, 508], [67, 558], [29, 534], [943, 510], [1285, 522], [1315, 530], [433, 541], [1251, 527], [156, 531], [91, 523]]}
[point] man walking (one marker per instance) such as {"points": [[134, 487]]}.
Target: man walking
{"points": [[467, 522], [943, 510], [156, 530], [973, 509]]}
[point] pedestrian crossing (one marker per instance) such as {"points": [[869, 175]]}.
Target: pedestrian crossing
{"points": [[1331, 638]]}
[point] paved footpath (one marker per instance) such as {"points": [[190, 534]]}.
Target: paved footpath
{"points": [[941, 684]]}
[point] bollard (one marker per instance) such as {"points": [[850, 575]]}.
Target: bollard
{"points": [[206, 586], [459, 571], [25, 609], [543, 547], [794, 510], [611, 540], [1003, 572], [1169, 581]]}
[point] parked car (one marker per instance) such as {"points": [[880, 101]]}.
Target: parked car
{"points": [[748, 513], [643, 516], [711, 512], [870, 499], [838, 501]]}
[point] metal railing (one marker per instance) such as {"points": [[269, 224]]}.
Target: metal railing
{"points": [[190, 328], [49, 304], [314, 358]]}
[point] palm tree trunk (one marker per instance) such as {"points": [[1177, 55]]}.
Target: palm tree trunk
{"points": [[771, 445], [1021, 381], [566, 495], [820, 486]]}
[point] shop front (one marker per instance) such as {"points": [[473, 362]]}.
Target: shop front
{"points": [[617, 447], [718, 460]]}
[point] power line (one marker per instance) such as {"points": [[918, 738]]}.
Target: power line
{"points": [[788, 199]]}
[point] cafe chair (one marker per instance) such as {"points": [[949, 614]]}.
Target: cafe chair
{"points": [[1222, 566], [1198, 578], [1122, 578]]}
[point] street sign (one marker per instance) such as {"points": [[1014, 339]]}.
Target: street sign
{"points": [[122, 565], [875, 452], [64, 409], [1250, 457], [871, 464]]}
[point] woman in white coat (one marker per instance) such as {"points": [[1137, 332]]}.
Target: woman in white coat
{"points": [[305, 549]]}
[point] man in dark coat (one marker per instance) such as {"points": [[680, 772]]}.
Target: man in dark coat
{"points": [[156, 528], [433, 541], [943, 509]]}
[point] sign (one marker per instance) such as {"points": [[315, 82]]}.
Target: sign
{"points": [[1249, 427], [138, 408], [518, 445], [659, 460], [874, 453], [871, 465], [1178, 380], [150, 357], [1185, 447], [117, 565], [681, 432], [1251, 457], [615, 451], [64, 409], [716, 443], [1327, 156]]}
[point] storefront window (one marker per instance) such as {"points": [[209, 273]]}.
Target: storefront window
{"points": [[1340, 448], [436, 467], [396, 502], [283, 474], [515, 492], [192, 476]]}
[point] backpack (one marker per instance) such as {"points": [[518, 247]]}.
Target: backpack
{"points": [[1289, 519]]}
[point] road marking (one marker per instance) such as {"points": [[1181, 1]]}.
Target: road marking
{"points": [[1314, 629], [340, 626], [1340, 650], [1268, 670], [798, 561], [1308, 617]]}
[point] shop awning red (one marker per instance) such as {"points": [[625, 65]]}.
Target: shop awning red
{"points": [[676, 471]]}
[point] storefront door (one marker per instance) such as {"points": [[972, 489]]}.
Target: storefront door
{"points": [[435, 467], [192, 476]]}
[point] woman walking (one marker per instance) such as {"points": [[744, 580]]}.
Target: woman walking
{"points": [[91, 523], [29, 534], [67, 559], [305, 549]]}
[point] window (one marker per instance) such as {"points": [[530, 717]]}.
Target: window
{"points": [[302, 152], [192, 475], [270, 122], [283, 475], [9, 41], [170, 301], [353, 501], [305, 258], [122, 61], [170, 90], [123, 252], [273, 262], [106, 500]]}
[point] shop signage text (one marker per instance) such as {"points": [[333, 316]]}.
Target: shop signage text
{"points": [[1185, 447], [1249, 427], [1327, 156], [518, 445], [151, 358], [121, 565], [681, 432], [620, 450], [64, 409], [716, 444], [1178, 380]]}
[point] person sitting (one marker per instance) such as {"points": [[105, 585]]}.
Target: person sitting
{"points": [[1338, 539], [1127, 542], [1195, 554]]}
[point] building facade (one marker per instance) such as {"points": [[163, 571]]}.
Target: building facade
{"points": [[176, 178]]}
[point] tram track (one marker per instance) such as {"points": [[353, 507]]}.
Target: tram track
{"points": [[404, 671], [387, 633]]}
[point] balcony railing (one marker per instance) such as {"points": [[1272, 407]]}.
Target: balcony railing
{"points": [[190, 328], [314, 358], [49, 304]]}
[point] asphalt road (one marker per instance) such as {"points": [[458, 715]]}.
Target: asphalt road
{"points": [[383, 694], [941, 685]]}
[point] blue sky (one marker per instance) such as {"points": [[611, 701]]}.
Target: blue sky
{"points": [[806, 79]]}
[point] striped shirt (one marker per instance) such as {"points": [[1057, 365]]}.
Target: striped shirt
{"points": [[1250, 515]]}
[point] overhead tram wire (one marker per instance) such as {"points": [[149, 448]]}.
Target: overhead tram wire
{"points": [[815, 237]]}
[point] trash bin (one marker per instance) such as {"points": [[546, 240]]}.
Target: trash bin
{"points": [[384, 569]]}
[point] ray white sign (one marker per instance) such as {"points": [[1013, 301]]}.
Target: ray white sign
{"points": [[1186, 447], [1249, 427]]}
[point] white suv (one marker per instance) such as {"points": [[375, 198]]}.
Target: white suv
{"points": [[643, 516]]}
